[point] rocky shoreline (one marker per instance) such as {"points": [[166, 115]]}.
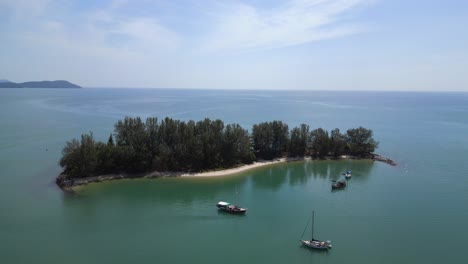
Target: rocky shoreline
{"points": [[67, 184], [377, 157]]}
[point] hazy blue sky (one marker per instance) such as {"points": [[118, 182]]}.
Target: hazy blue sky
{"points": [[258, 44]]}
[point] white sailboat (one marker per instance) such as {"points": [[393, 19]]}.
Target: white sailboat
{"points": [[315, 243]]}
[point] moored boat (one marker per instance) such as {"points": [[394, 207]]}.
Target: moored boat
{"points": [[314, 243], [230, 208], [347, 174], [339, 185], [317, 244]]}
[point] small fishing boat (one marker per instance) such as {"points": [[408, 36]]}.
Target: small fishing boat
{"points": [[314, 243], [347, 174], [230, 208], [339, 185]]}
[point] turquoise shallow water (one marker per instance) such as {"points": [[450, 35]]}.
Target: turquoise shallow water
{"points": [[413, 213]]}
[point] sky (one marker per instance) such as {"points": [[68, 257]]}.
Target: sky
{"points": [[233, 44]]}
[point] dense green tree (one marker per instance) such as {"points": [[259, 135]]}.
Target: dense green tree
{"points": [[152, 132], [110, 141], [174, 145], [132, 139], [263, 137], [281, 138], [320, 143], [70, 157], [360, 141], [299, 140], [270, 139], [80, 157], [105, 154], [193, 156], [168, 139], [236, 146], [337, 143], [211, 139]]}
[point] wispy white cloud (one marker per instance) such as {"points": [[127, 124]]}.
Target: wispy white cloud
{"points": [[101, 29], [230, 26], [118, 3], [158, 43], [146, 32], [25, 8], [242, 27], [69, 41]]}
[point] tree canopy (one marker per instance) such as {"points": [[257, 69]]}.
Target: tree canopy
{"points": [[189, 146]]}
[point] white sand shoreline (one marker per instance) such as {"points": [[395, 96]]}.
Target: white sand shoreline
{"points": [[69, 184], [242, 168]]}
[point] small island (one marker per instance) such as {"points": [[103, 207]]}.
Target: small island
{"points": [[39, 84], [170, 147]]}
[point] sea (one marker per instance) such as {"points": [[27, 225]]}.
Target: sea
{"points": [[416, 212]]}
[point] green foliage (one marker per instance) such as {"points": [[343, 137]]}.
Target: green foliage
{"points": [[131, 135], [174, 145], [70, 157], [320, 146], [270, 139], [80, 157], [360, 141], [236, 146], [166, 145], [337, 143], [110, 141], [299, 141]]}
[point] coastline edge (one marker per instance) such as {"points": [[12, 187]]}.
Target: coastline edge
{"points": [[68, 184]]}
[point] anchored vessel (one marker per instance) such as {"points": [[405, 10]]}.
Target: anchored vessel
{"points": [[347, 174], [230, 208], [314, 243], [339, 185]]}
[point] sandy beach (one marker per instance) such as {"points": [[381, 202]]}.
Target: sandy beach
{"points": [[68, 184], [275, 161], [235, 170]]}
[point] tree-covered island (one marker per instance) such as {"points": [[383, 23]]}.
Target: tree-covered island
{"points": [[168, 145]]}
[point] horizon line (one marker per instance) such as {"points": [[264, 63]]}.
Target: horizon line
{"points": [[269, 89]]}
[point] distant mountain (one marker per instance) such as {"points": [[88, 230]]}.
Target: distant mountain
{"points": [[41, 84], [3, 80], [8, 84]]}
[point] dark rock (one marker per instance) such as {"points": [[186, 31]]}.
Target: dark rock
{"points": [[377, 157]]}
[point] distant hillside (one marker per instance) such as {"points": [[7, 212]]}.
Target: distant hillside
{"points": [[3, 80], [41, 84], [49, 84], [8, 84]]}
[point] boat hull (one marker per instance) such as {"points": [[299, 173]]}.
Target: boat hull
{"points": [[233, 211], [338, 185], [229, 208], [316, 244]]}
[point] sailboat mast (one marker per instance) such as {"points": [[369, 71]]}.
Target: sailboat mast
{"points": [[313, 214]]}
